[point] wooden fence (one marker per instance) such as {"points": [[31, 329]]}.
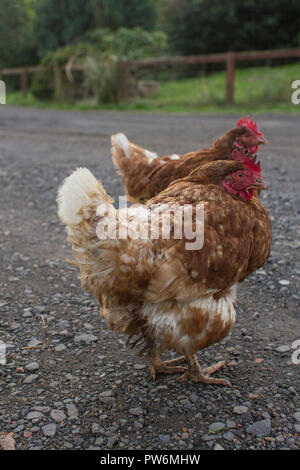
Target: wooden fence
{"points": [[228, 58]]}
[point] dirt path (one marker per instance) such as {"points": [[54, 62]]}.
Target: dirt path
{"points": [[70, 383]]}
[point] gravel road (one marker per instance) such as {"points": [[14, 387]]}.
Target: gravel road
{"points": [[68, 382]]}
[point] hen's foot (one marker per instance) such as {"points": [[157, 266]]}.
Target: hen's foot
{"points": [[203, 375], [174, 362], [167, 367]]}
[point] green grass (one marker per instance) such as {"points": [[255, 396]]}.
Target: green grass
{"points": [[259, 89]]}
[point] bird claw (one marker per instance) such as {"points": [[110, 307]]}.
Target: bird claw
{"points": [[203, 375], [167, 367]]}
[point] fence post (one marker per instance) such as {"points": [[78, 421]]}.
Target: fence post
{"points": [[122, 81], [24, 77], [230, 69]]}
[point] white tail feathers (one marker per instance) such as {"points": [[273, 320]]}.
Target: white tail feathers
{"points": [[126, 155], [78, 194], [120, 140], [120, 153]]}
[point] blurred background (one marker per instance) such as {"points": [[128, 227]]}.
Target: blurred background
{"points": [[169, 55]]}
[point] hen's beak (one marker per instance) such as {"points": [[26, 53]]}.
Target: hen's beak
{"points": [[259, 184], [262, 140]]}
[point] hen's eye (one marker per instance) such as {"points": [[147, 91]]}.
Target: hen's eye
{"points": [[240, 175]]}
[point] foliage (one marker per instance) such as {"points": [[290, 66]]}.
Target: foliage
{"points": [[125, 43], [207, 26], [100, 53], [115, 14], [60, 22], [13, 18]]}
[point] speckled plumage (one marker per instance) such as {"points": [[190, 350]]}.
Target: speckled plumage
{"points": [[155, 288]]}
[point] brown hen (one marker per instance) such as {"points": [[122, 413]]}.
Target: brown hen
{"points": [[145, 174], [165, 291]]}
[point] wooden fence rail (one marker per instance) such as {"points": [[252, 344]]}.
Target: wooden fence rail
{"points": [[23, 72], [228, 58]]}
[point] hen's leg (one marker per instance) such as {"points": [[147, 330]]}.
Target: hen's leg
{"points": [[167, 367], [196, 374]]}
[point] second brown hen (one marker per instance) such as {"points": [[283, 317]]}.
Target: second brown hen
{"points": [[145, 174]]}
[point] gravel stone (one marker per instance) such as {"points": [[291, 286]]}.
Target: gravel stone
{"points": [[97, 429], [108, 400], [49, 430], [239, 410], [140, 366], [34, 342], [27, 313], [30, 379], [218, 447], [230, 423], [138, 411], [165, 438], [99, 441], [283, 348], [297, 415], [284, 282], [60, 347], [85, 338], [106, 393], [111, 441], [72, 411], [32, 366], [42, 409], [57, 415], [229, 436], [138, 425], [209, 437], [260, 428], [35, 415], [216, 427]]}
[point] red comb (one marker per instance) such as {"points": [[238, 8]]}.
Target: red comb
{"points": [[253, 166], [251, 124], [249, 162]]}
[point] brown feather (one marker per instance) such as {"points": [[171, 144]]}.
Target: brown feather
{"points": [[143, 179]]}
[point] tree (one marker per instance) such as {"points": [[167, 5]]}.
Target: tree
{"points": [[13, 19], [207, 26], [60, 22], [125, 13]]}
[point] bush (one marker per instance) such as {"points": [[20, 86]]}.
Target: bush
{"points": [[125, 43], [100, 53], [52, 82]]}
